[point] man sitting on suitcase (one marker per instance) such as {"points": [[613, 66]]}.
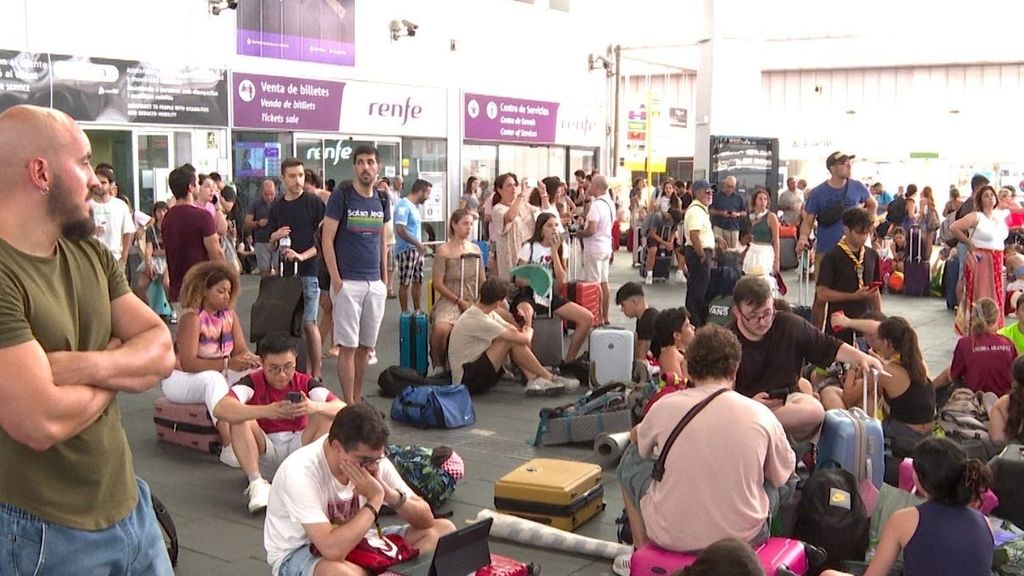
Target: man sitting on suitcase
{"points": [[775, 347], [481, 342], [846, 279], [273, 412], [720, 491], [327, 496]]}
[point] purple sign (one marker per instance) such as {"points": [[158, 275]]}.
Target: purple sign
{"points": [[510, 119], [280, 103], [320, 31]]}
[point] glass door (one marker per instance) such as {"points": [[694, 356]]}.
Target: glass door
{"points": [[154, 153]]}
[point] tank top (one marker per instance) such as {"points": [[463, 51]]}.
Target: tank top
{"points": [[915, 406], [761, 232], [215, 336], [949, 541], [990, 233]]}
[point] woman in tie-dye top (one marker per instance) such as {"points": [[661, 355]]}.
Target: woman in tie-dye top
{"points": [[212, 351]]}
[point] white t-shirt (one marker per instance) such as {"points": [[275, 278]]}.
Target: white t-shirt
{"points": [[305, 491], [602, 211], [472, 335], [113, 220], [539, 254]]}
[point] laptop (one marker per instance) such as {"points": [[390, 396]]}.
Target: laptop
{"points": [[460, 553]]}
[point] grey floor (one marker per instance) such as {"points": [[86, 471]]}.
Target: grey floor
{"points": [[218, 535]]}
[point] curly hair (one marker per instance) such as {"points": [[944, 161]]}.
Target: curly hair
{"points": [[204, 276], [666, 324], [714, 354]]}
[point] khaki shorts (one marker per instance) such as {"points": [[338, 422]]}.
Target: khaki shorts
{"points": [[595, 267]]}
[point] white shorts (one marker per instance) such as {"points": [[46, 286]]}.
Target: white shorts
{"points": [[595, 267], [358, 311], [279, 446]]}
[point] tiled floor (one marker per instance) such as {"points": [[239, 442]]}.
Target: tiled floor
{"points": [[219, 537]]}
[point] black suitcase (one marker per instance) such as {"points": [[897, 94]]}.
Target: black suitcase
{"points": [[1008, 475], [950, 277], [917, 268], [662, 265]]}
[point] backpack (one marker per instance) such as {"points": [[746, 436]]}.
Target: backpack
{"points": [[896, 213], [431, 406], [963, 417], [163, 517], [396, 378], [831, 515], [346, 195], [431, 472]]}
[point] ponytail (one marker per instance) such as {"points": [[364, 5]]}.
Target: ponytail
{"points": [[976, 479], [984, 313]]}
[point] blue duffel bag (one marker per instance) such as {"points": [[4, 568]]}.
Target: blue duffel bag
{"points": [[446, 406]]}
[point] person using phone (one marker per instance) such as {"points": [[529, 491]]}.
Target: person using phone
{"points": [[848, 273], [273, 412]]}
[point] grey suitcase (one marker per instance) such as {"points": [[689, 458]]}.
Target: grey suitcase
{"points": [[787, 254], [548, 345], [611, 354]]}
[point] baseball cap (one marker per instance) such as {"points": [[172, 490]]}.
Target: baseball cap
{"points": [[699, 185], [837, 157]]}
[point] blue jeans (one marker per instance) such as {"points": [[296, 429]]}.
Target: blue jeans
{"points": [[30, 546], [310, 299]]}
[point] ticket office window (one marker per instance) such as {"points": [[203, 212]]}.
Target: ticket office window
{"points": [[257, 156], [333, 158]]}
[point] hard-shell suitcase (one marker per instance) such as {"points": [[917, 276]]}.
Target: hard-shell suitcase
{"points": [[560, 493], [662, 265], [586, 294], [1008, 477], [412, 341], [548, 343], [853, 440], [916, 268], [187, 425], [787, 254], [611, 353], [950, 276], [778, 556]]}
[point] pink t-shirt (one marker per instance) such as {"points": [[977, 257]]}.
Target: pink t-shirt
{"points": [[716, 471], [983, 363], [602, 211]]}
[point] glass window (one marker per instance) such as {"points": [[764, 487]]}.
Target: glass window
{"points": [[556, 163], [333, 157], [257, 155], [582, 159], [423, 155], [480, 160]]}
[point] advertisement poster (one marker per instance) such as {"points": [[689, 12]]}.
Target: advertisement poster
{"points": [[115, 91], [281, 103], [321, 31]]}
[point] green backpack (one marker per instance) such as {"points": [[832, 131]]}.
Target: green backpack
{"points": [[430, 472]]}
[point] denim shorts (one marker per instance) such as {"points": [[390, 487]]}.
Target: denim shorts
{"points": [[310, 299], [133, 545], [302, 561]]}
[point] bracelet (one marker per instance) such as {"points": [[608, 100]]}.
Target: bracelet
{"points": [[372, 510], [401, 500]]}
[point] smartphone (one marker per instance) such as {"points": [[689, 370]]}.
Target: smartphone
{"points": [[295, 397], [876, 285], [778, 394]]}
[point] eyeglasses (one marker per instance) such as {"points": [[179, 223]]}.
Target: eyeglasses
{"points": [[367, 461], [286, 369], [763, 317]]}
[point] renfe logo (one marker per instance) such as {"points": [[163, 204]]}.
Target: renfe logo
{"points": [[403, 111]]}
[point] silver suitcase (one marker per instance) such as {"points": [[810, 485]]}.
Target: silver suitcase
{"points": [[548, 345], [611, 356]]}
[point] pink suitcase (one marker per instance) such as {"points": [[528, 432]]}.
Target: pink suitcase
{"points": [[989, 501], [187, 425], [779, 557]]}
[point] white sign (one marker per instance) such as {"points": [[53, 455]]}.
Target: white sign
{"points": [[433, 209], [580, 125], [393, 110]]}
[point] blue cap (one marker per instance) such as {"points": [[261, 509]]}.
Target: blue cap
{"points": [[699, 185]]}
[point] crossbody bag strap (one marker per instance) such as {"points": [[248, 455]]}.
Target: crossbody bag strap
{"points": [[659, 467]]}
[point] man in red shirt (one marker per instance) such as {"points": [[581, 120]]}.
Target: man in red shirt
{"points": [[189, 233], [274, 412]]}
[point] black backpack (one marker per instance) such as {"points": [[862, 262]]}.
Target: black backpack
{"points": [[394, 379], [896, 213], [831, 516]]}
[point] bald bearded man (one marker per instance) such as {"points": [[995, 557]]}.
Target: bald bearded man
{"points": [[72, 335]]}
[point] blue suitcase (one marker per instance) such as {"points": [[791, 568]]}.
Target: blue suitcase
{"points": [[485, 251], [950, 276], [412, 341], [853, 441]]}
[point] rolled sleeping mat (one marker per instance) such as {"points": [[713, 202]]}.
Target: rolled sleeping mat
{"points": [[536, 534], [609, 447]]}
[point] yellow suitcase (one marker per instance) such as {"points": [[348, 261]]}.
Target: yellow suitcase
{"points": [[559, 493]]}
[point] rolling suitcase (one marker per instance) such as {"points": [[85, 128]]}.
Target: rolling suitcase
{"points": [[639, 247], [662, 265], [559, 493], [187, 425], [950, 277], [778, 556], [1008, 477], [586, 294], [611, 351], [853, 440], [805, 296], [916, 268], [485, 251], [412, 341]]}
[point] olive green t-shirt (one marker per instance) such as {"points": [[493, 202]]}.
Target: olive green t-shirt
{"points": [[86, 482]]}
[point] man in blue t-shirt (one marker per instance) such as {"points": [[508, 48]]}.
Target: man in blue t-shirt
{"points": [[294, 219], [825, 205], [727, 211], [409, 249], [355, 254]]}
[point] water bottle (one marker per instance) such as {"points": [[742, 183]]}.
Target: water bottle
{"points": [[284, 244]]}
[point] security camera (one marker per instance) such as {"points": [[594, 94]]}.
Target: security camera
{"points": [[395, 27], [410, 28], [218, 6]]}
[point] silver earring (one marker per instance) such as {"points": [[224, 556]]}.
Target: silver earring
{"points": [[45, 191]]}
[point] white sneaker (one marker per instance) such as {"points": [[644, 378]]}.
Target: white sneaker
{"points": [[227, 457], [649, 279], [620, 565], [569, 384], [258, 493], [544, 387], [680, 277], [371, 358]]}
